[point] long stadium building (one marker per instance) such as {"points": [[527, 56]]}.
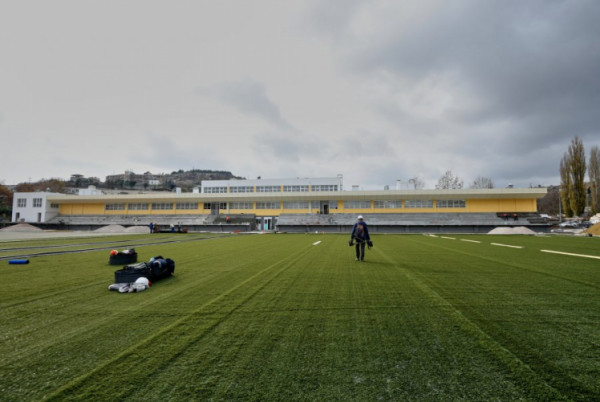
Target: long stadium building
{"points": [[290, 205]]}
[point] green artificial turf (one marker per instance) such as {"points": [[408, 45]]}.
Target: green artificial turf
{"points": [[283, 317]]}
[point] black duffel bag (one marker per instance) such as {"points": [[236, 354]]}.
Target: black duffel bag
{"points": [[129, 273], [161, 267]]}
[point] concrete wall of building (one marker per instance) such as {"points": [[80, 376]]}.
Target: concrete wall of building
{"points": [[33, 207]]}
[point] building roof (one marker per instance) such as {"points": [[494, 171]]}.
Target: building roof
{"points": [[383, 195]]}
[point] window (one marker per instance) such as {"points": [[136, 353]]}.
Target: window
{"points": [[162, 205], [215, 189], [333, 204], [21, 202], [186, 205], [325, 187], [37, 202], [268, 189], [357, 204], [215, 205], [295, 205], [241, 189], [418, 204], [451, 204], [54, 206], [295, 189], [114, 207], [268, 205], [387, 204], [240, 205], [140, 206]]}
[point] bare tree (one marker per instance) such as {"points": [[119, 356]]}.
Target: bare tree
{"points": [[417, 182], [482, 182], [449, 181], [594, 175]]}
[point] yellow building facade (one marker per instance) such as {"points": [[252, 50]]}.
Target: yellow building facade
{"points": [[275, 203]]}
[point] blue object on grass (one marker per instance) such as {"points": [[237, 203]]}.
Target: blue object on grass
{"points": [[25, 261]]}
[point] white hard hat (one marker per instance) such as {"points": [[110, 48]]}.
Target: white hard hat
{"points": [[143, 281], [359, 217]]}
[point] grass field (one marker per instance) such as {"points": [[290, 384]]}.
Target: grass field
{"points": [[294, 317]]}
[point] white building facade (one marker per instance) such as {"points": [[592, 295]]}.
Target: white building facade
{"points": [[33, 207]]}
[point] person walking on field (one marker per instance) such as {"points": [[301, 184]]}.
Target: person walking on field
{"points": [[360, 237]]}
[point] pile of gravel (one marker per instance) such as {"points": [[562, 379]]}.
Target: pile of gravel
{"points": [[137, 229], [111, 229], [21, 227], [512, 230]]}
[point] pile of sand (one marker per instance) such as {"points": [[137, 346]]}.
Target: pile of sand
{"points": [[510, 230], [137, 229], [594, 230], [111, 229], [21, 227], [122, 229]]}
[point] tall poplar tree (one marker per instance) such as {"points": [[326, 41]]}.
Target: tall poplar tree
{"points": [[565, 185], [594, 175], [577, 195]]}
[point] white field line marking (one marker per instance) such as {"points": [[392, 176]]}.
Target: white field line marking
{"points": [[505, 245], [572, 254], [317, 242], [470, 241], [446, 237], [431, 235]]}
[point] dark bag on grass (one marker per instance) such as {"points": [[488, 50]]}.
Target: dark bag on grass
{"points": [[123, 257], [129, 273], [161, 268], [157, 268]]}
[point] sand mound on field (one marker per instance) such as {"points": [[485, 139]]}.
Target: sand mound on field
{"points": [[21, 227], [110, 229], [137, 229], [595, 230], [516, 230]]}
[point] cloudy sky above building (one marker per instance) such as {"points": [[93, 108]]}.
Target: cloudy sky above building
{"points": [[378, 90]]}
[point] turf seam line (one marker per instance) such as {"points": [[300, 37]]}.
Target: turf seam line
{"points": [[505, 356], [85, 250], [131, 350]]}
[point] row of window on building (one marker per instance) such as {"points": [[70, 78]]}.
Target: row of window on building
{"points": [[37, 203], [271, 189], [286, 205]]}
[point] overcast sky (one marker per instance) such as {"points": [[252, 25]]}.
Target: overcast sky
{"points": [[377, 91]]}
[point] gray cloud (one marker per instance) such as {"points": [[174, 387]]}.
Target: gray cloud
{"points": [[250, 97], [377, 91], [518, 76]]}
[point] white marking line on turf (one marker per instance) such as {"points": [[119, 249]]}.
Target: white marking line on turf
{"points": [[317, 242], [572, 254], [446, 237], [505, 245], [470, 241]]}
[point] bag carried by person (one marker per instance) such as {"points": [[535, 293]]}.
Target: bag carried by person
{"points": [[359, 232]]}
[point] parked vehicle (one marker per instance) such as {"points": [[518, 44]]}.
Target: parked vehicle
{"points": [[569, 224]]}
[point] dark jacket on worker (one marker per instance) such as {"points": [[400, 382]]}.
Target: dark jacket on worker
{"points": [[360, 234]]}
